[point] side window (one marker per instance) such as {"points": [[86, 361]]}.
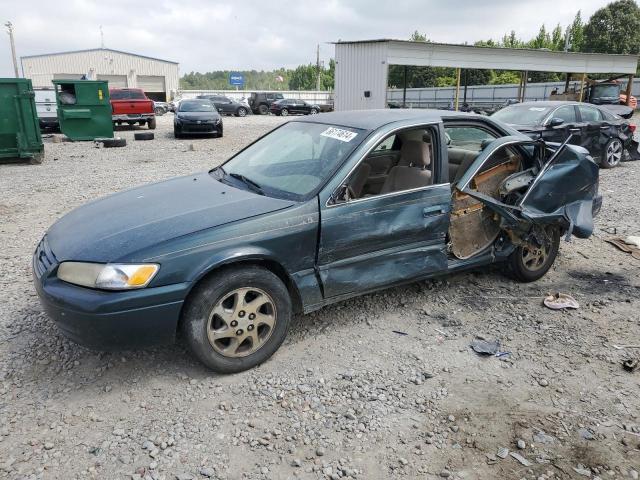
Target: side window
{"points": [[589, 114], [468, 138], [567, 113], [413, 167], [386, 144]]}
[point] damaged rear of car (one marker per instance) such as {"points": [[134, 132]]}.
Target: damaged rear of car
{"points": [[522, 196]]}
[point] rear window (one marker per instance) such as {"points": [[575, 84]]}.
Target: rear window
{"points": [[127, 95]]}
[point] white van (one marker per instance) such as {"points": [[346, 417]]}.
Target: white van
{"points": [[46, 107]]}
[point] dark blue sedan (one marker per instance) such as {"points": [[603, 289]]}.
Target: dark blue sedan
{"points": [[319, 210]]}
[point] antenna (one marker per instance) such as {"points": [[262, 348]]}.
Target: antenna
{"points": [[101, 37]]}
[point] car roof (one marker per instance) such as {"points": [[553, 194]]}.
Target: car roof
{"points": [[547, 103], [374, 119]]}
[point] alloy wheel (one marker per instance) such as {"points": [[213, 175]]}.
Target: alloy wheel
{"points": [[614, 153], [534, 257], [241, 322], [242, 112], [284, 112]]}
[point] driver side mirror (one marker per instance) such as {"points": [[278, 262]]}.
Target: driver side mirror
{"points": [[555, 122]]}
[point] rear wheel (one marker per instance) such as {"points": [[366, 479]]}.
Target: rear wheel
{"points": [[242, 112], [314, 111], [612, 155], [152, 124], [284, 112], [263, 109], [530, 262], [237, 318]]}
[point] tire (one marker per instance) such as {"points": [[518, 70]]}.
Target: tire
{"points": [[612, 154], [114, 142], [144, 135], [152, 124], [159, 111], [214, 305], [263, 109], [313, 111], [284, 112], [241, 112], [527, 265]]}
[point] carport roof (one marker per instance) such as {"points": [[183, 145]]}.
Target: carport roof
{"points": [[407, 52], [97, 50]]}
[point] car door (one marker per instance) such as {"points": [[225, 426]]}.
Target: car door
{"points": [[560, 187], [560, 133], [375, 241], [595, 132]]}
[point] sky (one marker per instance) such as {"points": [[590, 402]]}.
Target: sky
{"points": [[242, 35]]}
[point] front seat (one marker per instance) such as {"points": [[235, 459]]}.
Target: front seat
{"points": [[358, 180], [411, 171]]}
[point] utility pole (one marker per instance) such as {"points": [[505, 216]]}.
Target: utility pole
{"points": [[9, 26], [318, 67]]}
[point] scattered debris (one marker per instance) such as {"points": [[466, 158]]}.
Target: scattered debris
{"points": [[632, 240], [621, 244], [543, 438], [621, 347], [521, 444], [399, 332], [485, 347], [521, 459], [586, 434], [560, 301], [503, 452], [631, 365], [582, 470]]}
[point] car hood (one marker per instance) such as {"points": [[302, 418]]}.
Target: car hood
{"points": [[117, 226], [198, 115]]}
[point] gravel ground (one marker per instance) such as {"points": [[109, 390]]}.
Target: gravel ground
{"points": [[345, 397]]}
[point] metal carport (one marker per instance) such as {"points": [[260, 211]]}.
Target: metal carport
{"points": [[362, 66]]}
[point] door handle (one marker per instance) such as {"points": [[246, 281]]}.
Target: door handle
{"points": [[430, 211]]}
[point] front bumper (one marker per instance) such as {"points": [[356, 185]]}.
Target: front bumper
{"points": [[199, 128], [111, 320]]}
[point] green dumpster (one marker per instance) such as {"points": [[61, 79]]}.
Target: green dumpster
{"points": [[84, 110], [19, 129]]}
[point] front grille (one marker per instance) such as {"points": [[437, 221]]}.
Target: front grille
{"points": [[43, 258], [199, 128]]}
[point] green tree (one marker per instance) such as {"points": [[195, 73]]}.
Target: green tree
{"points": [[614, 29], [576, 34], [557, 39], [416, 36]]}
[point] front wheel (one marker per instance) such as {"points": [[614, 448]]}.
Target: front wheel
{"points": [[612, 155], [284, 112], [314, 111], [242, 112], [237, 318], [530, 262]]}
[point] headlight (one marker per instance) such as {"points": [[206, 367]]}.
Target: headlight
{"points": [[111, 276]]}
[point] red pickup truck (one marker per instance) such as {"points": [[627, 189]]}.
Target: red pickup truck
{"points": [[131, 105]]}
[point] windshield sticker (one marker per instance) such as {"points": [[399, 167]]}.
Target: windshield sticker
{"points": [[339, 134], [537, 109]]}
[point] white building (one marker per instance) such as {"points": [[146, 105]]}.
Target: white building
{"points": [[158, 78], [362, 66]]}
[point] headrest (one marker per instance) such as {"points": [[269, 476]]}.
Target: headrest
{"points": [[414, 153]]}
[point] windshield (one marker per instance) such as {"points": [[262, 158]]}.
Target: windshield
{"points": [[522, 114], [295, 159], [196, 106], [600, 91]]}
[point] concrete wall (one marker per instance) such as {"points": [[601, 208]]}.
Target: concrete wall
{"points": [[43, 68]]}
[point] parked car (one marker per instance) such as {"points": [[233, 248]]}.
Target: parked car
{"points": [[291, 106], [197, 116], [226, 106], [46, 108], [260, 102], [606, 135], [160, 108], [131, 106], [319, 210]]}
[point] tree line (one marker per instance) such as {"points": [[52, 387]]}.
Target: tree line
{"points": [[614, 28]]}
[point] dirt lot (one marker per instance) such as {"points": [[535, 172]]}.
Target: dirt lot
{"points": [[346, 396]]}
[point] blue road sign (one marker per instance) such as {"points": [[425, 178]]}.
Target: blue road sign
{"points": [[236, 79]]}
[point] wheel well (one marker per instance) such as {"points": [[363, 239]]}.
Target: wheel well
{"points": [[273, 266]]}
